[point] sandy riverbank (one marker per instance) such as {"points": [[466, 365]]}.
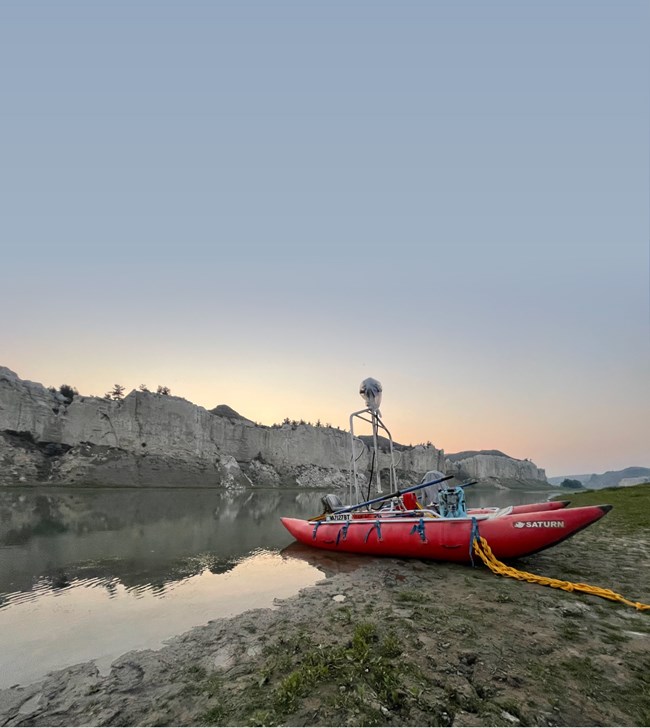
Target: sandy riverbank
{"points": [[391, 642]]}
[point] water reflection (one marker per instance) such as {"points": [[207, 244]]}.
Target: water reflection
{"points": [[93, 573], [143, 538], [94, 619], [329, 562]]}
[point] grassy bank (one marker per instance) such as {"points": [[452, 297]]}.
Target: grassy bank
{"points": [[631, 512]]}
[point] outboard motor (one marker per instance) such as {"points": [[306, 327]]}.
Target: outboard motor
{"points": [[451, 502], [331, 503]]}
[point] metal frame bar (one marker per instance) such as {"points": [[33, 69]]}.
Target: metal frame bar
{"points": [[349, 518], [377, 424]]}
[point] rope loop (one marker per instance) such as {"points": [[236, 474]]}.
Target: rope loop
{"points": [[419, 528], [473, 537], [343, 530], [376, 525]]}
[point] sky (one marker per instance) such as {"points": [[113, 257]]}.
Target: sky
{"points": [[261, 204]]}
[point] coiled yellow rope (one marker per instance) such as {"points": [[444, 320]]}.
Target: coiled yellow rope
{"points": [[482, 548]]}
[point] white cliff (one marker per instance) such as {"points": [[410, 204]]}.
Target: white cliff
{"points": [[626, 482], [492, 464], [149, 438]]}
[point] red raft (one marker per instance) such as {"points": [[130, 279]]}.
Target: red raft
{"points": [[445, 539], [485, 511], [526, 508]]}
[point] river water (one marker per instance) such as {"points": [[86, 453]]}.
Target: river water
{"points": [[91, 573]]}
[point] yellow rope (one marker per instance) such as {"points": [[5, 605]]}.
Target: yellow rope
{"points": [[490, 560]]}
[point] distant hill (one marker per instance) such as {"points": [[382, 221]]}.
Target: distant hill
{"points": [[614, 477], [454, 456], [223, 410], [557, 479], [383, 443], [610, 479]]}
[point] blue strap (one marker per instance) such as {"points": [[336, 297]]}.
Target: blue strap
{"points": [[316, 527], [419, 528], [378, 527], [343, 531], [474, 535]]}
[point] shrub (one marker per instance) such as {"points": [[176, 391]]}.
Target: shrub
{"points": [[68, 392], [569, 483]]}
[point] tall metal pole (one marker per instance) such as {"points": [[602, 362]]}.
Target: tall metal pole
{"points": [[354, 483], [373, 414]]}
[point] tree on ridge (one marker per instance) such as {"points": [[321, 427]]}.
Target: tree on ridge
{"points": [[116, 393]]}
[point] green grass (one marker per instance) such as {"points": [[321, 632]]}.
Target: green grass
{"points": [[355, 677], [582, 669], [410, 595], [365, 660], [631, 510], [569, 631]]}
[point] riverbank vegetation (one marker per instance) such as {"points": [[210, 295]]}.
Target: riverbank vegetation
{"points": [[631, 512]]}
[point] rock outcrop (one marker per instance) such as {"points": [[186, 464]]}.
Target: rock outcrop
{"points": [[154, 439], [492, 465], [626, 482]]}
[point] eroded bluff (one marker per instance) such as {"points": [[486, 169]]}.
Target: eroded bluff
{"points": [[151, 439]]}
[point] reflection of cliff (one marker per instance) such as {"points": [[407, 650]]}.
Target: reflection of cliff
{"points": [[150, 439], [141, 537]]}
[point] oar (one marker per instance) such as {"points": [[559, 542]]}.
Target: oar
{"points": [[396, 494]]}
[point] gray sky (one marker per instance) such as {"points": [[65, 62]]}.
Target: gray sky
{"points": [[263, 203]]}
